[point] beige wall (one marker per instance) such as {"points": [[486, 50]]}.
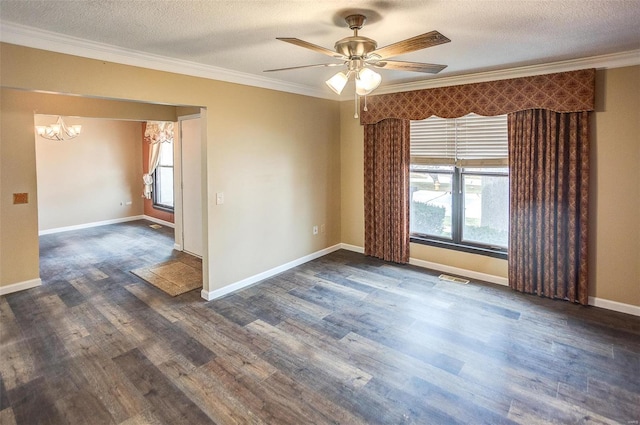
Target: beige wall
{"points": [[90, 178], [287, 162], [19, 256], [352, 215], [274, 155], [614, 227], [615, 196]]}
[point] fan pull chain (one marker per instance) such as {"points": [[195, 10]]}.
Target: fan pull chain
{"points": [[365, 103], [355, 115]]}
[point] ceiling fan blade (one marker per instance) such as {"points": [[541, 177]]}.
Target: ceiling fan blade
{"points": [[412, 44], [311, 46], [304, 66], [410, 66]]}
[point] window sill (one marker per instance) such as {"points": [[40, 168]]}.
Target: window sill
{"points": [[163, 208], [495, 253]]}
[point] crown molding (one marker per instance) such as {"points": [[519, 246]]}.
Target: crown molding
{"points": [[614, 60], [46, 40]]}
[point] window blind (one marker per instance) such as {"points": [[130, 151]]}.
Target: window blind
{"points": [[472, 140]]}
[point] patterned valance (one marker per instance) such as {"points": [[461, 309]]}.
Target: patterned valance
{"points": [[561, 92]]}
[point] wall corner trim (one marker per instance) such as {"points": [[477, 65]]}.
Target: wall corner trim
{"points": [[615, 306], [20, 286], [241, 284], [353, 248]]}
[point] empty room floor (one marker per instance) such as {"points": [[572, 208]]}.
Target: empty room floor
{"points": [[344, 339]]}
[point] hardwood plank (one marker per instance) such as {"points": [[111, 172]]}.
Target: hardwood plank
{"points": [[217, 393], [7, 417], [601, 403], [145, 418], [347, 374], [341, 339], [553, 411], [31, 405], [397, 368], [17, 366], [172, 404], [81, 407], [103, 377]]}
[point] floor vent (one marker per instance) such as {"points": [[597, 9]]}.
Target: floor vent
{"points": [[452, 279], [155, 226]]}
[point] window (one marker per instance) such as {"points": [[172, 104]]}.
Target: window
{"points": [[459, 180], [163, 179]]}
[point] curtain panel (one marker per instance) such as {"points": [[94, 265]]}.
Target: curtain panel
{"points": [[386, 181], [548, 167], [560, 92], [549, 196], [155, 132]]}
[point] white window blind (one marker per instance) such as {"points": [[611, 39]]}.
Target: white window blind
{"points": [[472, 140]]}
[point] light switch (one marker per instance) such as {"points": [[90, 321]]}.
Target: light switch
{"points": [[219, 198]]}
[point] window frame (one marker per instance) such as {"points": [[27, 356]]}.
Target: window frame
{"points": [[156, 178], [456, 242]]}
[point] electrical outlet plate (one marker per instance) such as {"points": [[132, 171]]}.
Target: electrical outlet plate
{"points": [[315, 230], [20, 198]]}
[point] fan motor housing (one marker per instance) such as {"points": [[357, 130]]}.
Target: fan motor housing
{"points": [[355, 46]]}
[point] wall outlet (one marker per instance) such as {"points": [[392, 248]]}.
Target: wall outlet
{"points": [[128, 203], [315, 230], [323, 229], [219, 198]]}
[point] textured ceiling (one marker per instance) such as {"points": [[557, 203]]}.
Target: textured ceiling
{"points": [[241, 35]]}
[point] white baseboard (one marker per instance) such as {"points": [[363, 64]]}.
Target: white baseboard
{"points": [[158, 221], [20, 286], [88, 225], [615, 306], [211, 295], [353, 248], [177, 247], [498, 280], [443, 268]]}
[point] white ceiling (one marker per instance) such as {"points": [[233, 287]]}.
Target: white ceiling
{"points": [[241, 35]]}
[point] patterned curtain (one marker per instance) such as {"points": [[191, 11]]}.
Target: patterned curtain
{"points": [[549, 191], [572, 91], [386, 188]]}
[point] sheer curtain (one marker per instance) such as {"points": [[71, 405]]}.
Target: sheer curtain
{"points": [[549, 196], [156, 132], [386, 180]]}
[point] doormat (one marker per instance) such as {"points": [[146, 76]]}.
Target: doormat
{"points": [[173, 277]]}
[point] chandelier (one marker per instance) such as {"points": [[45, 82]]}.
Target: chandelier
{"points": [[58, 131]]}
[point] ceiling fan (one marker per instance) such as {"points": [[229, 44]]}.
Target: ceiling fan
{"points": [[359, 53]]}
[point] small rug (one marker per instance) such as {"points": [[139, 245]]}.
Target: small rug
{"points": [[174, 277]]}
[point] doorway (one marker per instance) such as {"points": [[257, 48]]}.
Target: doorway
{"points": [[189, 184]]}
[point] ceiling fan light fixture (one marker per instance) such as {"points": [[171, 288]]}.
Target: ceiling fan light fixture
{"points": [[367, 81], [337, 82]]}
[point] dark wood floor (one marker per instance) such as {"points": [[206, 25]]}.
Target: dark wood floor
{"points": [[343, 339]]}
